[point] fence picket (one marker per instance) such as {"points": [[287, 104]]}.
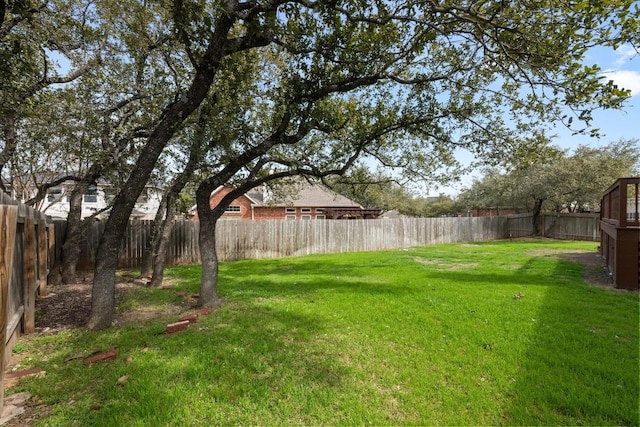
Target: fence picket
{"points": [[29, 266], [8, 222]]}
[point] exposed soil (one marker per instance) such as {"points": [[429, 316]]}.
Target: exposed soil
{"points": [[595, 269], [64, 306], [68, 306]]}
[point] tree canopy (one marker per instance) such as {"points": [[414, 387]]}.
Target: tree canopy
{"points": [[567, 181]]}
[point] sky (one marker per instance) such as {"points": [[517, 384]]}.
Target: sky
{"points": [[623, 67]]}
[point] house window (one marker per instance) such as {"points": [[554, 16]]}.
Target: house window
{"points": [[306, 217], [305, 210], [54, 194], [91, 196], [290, 217], [321, 217], [290, 210], [319, 210], [233, 208]]}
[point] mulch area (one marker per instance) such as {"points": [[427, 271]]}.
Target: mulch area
{"points": [[69, 306]]}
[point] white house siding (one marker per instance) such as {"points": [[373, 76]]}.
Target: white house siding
{"points": [[93, 203]]}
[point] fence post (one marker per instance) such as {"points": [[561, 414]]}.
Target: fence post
{"points": [[8, 222], [43, 252], [29, 268]]}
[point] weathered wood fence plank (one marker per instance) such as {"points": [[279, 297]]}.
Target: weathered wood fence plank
{"points": [[25, 241], [29, 268], [8, 223], [43, 252]]}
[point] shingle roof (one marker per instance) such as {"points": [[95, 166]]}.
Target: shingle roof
{"points": [[312, 195]]}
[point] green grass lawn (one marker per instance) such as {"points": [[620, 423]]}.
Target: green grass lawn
{"points": [[496, 333]]}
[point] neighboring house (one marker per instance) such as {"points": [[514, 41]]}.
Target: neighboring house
{"points": [[96, 200], [309, 202]]}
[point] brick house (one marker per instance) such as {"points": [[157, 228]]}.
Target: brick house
{"points": [[310, 202]]}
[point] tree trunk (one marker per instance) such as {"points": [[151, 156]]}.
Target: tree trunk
{"points": [[163, 227], [536, 216], [10, 142], [160, 251], [103, 294], [209, 279], [104, 281], [150, 251], [71, 245]]}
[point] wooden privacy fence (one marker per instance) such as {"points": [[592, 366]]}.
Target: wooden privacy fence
{"points": [[26, 242], [278, 238], [565, 226], [270, 239]]}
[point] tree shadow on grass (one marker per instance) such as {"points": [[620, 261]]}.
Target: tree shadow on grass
{"points": [[251, 363], [581, 366], [237, 364], [304, 279]]}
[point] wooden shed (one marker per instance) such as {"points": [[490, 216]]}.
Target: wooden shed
{"points": [[620, 232]]}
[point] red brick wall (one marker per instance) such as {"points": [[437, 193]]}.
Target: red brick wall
{"points": [[259, 212], [242, 201], [268, 213]]}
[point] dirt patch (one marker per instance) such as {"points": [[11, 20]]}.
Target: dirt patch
{"points": [[595, 269], [64, 307], [69, 306]]}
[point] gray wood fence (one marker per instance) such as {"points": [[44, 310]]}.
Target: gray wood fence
{"points": [[280, 238], [564, 226]]}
